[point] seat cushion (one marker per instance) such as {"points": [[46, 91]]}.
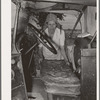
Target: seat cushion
{"points": [[59, 78]]}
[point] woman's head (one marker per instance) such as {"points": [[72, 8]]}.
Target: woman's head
{"points": [[51, 21], [51, 25]]}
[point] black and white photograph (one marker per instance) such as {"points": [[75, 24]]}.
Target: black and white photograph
{"points": [[54, 49]]}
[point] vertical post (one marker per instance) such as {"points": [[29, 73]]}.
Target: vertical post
{"points": [[88, 74], [14, 50]]}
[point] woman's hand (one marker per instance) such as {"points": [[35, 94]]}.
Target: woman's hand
{"points": [[74, 68], [78, 70]]}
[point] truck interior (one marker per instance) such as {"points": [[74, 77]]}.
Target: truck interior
{"points": [[78, 19]]}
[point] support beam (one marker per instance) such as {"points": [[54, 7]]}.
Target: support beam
{"points": [[84, 2], [78, 19]]}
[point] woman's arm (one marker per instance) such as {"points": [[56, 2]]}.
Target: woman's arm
{"points": [[71, 56], [62, 43]]}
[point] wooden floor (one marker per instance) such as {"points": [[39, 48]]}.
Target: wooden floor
{"points": [[38, 91]]}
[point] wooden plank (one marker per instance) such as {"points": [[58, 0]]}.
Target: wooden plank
{"points": [[84, 2], [88, 75], [88, 52]]}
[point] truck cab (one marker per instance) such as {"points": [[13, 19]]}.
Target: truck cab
{"points": [[78, 19]]}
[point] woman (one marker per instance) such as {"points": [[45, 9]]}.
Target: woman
{"points": [[55, 68], [58, 38]]}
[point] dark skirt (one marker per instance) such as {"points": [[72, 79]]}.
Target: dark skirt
{"points": [[59, 78], [53, 66]]}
